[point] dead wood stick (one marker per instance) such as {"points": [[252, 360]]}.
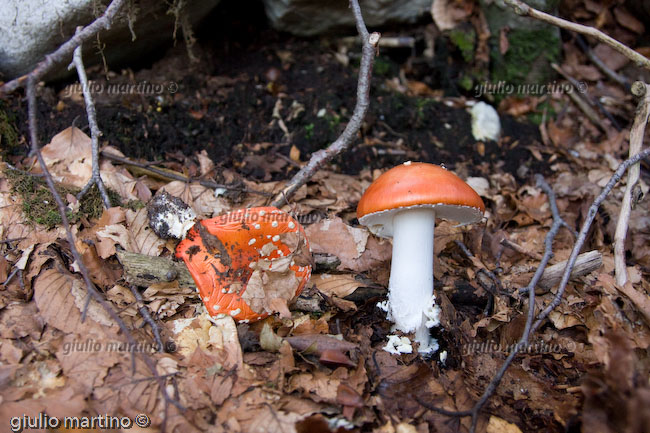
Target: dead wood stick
{"points": [[167, 175], [90, 287], [369, 45], [95, 133], [508, 243], [585, 264], [523, 9], [637, 133], [143, 270]]}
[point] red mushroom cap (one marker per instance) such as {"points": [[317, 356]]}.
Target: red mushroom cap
{"points": [[419, 184], [247, 263]]}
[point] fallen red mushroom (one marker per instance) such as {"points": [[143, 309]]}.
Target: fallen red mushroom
{"points": [[248, 263]]}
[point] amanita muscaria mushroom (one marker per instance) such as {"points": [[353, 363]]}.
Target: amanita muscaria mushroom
{"points": [[248, 263], [403, 203]]}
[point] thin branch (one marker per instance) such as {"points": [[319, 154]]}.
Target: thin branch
{"points": [[92, 291], [144, 312], [637, 132], [558, 223], [95, 133], [613, 75], [523, 9], [369, 46], [582, 236], [168, 175], [63, 53]]}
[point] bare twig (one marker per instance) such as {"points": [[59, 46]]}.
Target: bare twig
{"points": [[498, 287], [63, 53], [169, 175], [558, 223], [95, 133], [369, 46], [523, 9], [92, 291], [583, 104], [508, 243], [637, 132], [585, 264], [144, 312], [582, 236], [613, 75]]}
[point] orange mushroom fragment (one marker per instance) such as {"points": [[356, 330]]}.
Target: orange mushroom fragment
{"points": [[248, 263]]}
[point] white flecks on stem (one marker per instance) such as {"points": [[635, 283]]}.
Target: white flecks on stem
{"points": [[410, 291], [398, 345]]}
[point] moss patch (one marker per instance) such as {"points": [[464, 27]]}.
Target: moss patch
{"points": [[8, 132], [40, 207], [465, 41], [528, 58]]}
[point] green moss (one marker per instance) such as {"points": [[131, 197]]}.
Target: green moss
{"points": [[421, 105], [466, 82], [40, 207], [528, 58], [537, 116], [333, 121], [382, 67], [8, 132], [309, 131], [465, 40]]}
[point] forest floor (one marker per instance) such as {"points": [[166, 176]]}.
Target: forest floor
{"points": [[248, 115]]}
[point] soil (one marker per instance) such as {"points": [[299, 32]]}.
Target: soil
{"points": [[224, 105]]}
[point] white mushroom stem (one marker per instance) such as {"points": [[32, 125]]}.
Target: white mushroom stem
{"points": [[410, 290]]}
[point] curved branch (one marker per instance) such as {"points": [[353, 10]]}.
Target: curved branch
{"points": [[369, 46]]}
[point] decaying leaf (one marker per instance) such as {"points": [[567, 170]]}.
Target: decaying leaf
{"points": [[340, 285], [69, 157], [352, 245]]}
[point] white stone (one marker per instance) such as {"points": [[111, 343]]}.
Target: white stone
{"points": [[485, 122]]}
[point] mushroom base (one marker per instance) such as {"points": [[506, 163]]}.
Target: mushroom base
{"points": [[410, 290]]}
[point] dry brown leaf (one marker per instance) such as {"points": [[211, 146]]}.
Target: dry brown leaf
{"points": [[19, 320], [110, 236], [351, 245], [317, 343], [498, 425], [58, 403], [319, 385], [612, 58], [60, 296], [100, 274], [205, 163], [268, 419], [165, 298], [137, 238], [69, 157], [201, 199], [564, 320], [340, 285], [85, 359], [447, 14], [273, 283], [144, 240], [121, 181], [294, 153], [13, 224], [627, 20]]}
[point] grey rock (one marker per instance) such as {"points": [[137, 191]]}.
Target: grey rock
{"points": [[313, 17], [31, 29]]}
